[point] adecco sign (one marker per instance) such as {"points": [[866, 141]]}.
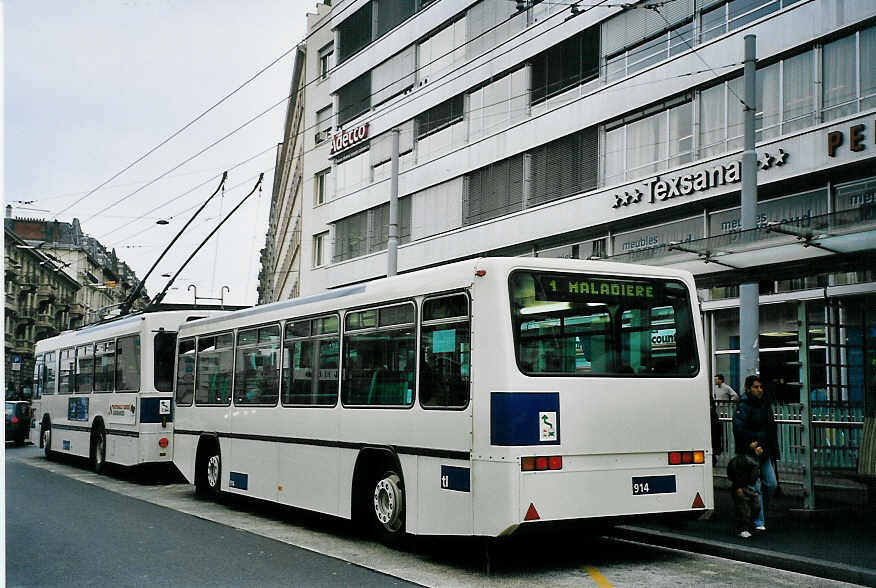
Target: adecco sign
{"points": [[343, 139]]}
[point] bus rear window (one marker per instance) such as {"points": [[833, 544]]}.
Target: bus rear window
{"points": [[165, 354], [594, 325]]}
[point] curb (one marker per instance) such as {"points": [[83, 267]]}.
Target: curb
{"points": [[764, 557]]}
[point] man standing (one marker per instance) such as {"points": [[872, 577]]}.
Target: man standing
{"points": [[722, 391]]}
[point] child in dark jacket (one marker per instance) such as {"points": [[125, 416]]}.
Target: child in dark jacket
{"points": [[744, 472]]}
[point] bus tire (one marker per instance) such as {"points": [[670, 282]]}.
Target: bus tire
{"points": [[46, 438], [388, 508], [98, 450], [208, 477]]}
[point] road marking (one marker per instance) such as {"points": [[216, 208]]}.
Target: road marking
{"points": [[598, 578]]}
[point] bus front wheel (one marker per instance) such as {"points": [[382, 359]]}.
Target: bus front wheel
{"points": [[46, 434], [98, 451], [208, 480], [389, 508]]}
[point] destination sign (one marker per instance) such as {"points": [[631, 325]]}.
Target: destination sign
{"points": [[571, 289]]}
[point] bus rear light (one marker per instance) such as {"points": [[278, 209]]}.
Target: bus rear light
{"points": [[531, 514], [481, 273], [14, 420], [541, 463], [162, 442], [686, 457]]}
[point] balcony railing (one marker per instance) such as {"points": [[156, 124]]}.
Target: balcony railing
{"points": [[46, 291], [77, 309]]}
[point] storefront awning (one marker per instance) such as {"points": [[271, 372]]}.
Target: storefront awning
{"points": [[845, 232]]}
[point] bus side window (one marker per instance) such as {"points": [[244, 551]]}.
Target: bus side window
{"points": [[445, 343]]}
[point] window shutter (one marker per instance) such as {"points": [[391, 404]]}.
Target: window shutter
{"points": [[634, 25], [393, 76]]}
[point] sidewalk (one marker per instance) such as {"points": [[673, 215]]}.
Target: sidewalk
{"points": [[837, 541]]}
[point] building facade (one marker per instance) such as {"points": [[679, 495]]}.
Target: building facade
{"points": [[40, 302], [609, 132]]}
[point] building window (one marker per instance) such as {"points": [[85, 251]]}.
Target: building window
{"points": [[649, 52], [319, 249], [368, 231], [325, 60], [441, 116], [320, 184], [493, 191], [354, 98], [563, 167], [565, 65], [391, 13], [323, 124], [736, 13], [638, 145], [354, 33]]}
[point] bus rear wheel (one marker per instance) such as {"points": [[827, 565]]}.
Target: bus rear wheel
{"points": [[388, 510], [98, 451]]}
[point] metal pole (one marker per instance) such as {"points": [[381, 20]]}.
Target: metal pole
{"points": [[749, 325], [392, 242], [806, 435]]}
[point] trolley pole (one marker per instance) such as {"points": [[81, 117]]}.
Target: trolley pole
{"points": [[392, 242], [749, 324]]}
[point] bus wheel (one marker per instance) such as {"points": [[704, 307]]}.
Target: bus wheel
{"points": [[389, 508], [98, 451], [208, 481]]}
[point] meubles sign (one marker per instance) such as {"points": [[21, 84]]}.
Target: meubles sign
{"points": [[343, 139], [658, 188]]}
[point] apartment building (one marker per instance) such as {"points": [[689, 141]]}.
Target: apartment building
{"points": [[606, 131]]}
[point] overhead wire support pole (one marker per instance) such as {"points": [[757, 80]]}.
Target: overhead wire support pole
{"points": [[160, 296], [392, 240], [749, 323], [129, 301]]}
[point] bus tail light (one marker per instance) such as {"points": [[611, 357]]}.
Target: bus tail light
{"points": [[541, 463], [162, 442], [14, 420], [686, 457]]}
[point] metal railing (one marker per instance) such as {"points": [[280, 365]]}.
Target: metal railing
{"points": [[837, 429]]}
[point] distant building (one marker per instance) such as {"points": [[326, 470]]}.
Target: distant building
{"points": [[106, 280], [40, 302]]}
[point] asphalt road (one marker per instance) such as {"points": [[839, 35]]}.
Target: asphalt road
{"points": [[67, 526], [62, 532]]}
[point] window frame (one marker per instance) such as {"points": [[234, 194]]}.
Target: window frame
{"points": [[320, 182], [92, 355], [316, 339], [179, 342], [237, 347], [434, 322], [198, 371], [112, 388], [377, 328], [139, 364]]}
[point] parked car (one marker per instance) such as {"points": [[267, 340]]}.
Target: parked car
{"points": [[17, 420]]}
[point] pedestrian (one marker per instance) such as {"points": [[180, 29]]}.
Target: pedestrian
{"points": [[744, 473], [754, 421], [723, 392]]}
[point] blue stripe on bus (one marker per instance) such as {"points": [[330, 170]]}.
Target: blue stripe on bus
{"points": [[149, 410], [239, 481], [514, 417], [455, 478]]}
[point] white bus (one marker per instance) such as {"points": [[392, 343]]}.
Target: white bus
{"points": [[105, 391], [467, 399]]}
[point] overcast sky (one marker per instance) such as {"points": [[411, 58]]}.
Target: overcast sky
{"points": [[91, 85]]}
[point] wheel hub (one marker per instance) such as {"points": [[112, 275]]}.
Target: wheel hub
{"points": [[213, 471], [388, 502]]}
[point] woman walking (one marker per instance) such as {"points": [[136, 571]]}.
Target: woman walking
{"points": [[753, 421]]}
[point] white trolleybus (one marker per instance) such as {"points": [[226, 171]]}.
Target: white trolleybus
{"points": [[467, 399], [105, 392]]}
